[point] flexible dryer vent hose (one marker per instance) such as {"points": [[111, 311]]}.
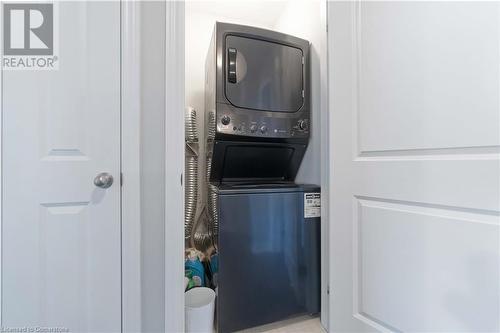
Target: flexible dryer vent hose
{"points": [[191, 194], [202, 238], [212, 196], [212, 210], [202, 232], [191, 173], [191, 128], [211, 126]]}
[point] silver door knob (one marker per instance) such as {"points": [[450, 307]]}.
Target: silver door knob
{"points": [[103, 180]]}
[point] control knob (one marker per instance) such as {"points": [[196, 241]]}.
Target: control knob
{"points": [[253, 128], [263, 129], [303, 125], [225, 120]]}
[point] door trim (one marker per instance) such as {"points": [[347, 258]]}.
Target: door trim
{"points": [[326, 172], [174, 166], [131, 169], [130, 166]]}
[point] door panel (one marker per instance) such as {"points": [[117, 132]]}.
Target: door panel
{"points": [[411, 66], [61, 233], [422, 268], [268, 75], [415, 143]]}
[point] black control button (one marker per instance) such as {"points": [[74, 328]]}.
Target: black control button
{"points": [[225, 120]]}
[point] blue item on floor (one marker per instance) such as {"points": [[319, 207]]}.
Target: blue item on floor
{"points": [[194, 268]]}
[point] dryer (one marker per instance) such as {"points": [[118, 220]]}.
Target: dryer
{"points": [[257, 102]]}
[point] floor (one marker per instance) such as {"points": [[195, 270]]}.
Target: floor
{"points": [[304, 324]]}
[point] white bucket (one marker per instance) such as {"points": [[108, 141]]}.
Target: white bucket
{"points": [[199, 310]]}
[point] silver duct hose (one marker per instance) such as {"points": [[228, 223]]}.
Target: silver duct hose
{"points": [[202, 232], [190, 193], [191, 172], [191, 128], [202, 238], [213, 220], [211, 126], [212, 197], [208, 167]]}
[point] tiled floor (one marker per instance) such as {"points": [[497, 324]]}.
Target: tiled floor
{"points": [[304, 324]]}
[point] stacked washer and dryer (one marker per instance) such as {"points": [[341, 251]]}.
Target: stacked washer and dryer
{"points": [[266, 227]]}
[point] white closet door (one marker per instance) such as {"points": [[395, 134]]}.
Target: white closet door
{"points": [[415, 142], [60, 232]]}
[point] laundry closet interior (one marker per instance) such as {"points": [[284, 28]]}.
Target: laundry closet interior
{"points": [[254, 95]]}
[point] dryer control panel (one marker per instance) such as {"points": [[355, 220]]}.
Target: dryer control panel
{"points": [[261, 124]]}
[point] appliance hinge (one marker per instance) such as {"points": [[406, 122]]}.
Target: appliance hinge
{"points": [[328, 290], [121, 178], [302, 60], [303, 93], [181, 179]]}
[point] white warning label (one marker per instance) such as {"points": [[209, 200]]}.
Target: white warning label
{"points": [[312, 205]]}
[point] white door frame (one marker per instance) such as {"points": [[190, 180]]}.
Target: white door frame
{"points": [[174, 303], [326, 171], [130, 165], [174, 167]]}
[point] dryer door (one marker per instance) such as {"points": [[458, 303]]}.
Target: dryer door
{"points": [[263, 75]]}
